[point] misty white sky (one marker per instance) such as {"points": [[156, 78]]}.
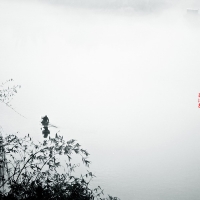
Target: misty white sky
{"points": [[123, 83]]}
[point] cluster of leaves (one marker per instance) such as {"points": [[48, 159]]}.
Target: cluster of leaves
{"points": [[33, 171], [6, 94]]}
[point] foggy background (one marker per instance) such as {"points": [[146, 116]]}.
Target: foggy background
{"points": [[121, 77]]}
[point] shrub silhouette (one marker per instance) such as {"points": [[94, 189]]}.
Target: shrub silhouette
{"points": [[33, 170]]}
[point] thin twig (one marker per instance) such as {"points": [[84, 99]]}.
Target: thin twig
{"points": [[13, 109]]}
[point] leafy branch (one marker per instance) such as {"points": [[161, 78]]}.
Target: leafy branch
{"points": [[7, 93]]}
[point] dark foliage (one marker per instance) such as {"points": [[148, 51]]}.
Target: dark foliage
{"points": [[33, 171]]}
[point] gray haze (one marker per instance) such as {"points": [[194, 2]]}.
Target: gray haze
{"points": [[136, 5], [123, 83]]}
